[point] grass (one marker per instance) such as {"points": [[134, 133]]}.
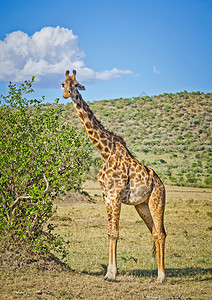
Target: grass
{"points": [[84, 224]]}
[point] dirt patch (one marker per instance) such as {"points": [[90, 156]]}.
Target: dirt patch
{"points": [[23, 258], [73, 197]]}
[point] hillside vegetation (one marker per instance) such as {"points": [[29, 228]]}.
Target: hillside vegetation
{"points": [[170, 133]]}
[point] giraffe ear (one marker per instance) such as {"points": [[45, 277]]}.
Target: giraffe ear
{"points": [[80, 87]]}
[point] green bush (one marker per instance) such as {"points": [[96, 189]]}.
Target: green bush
{"points": [[208, 181], [39, 158]]}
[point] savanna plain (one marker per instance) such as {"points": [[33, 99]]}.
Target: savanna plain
{"points": [[83, 221], [172, 134]]}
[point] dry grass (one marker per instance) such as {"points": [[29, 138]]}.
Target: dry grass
{"points": [[188, 253]]}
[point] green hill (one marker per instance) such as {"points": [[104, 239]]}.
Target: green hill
{"points": [[170, 133]]}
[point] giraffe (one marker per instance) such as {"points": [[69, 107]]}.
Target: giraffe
{"points": [[123, 179]]}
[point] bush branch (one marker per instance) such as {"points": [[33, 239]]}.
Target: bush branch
{"points": [[47, 183]]}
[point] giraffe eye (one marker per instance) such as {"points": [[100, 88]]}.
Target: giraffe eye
{"points": [[62, 86]]}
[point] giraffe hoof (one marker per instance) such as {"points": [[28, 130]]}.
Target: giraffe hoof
{"points": [[111, 274], [159, 281], [161, 278], [110, 279]]}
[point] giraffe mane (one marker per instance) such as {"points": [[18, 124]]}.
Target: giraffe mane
{"points": [[99, 124]]}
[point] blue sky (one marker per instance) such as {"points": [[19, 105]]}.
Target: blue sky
{"points": [[119, 48]]}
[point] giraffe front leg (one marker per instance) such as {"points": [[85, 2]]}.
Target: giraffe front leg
{"points": [[112, 266], [113, 233]]}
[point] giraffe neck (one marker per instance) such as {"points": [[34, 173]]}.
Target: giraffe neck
{"points": [[101, 138]]}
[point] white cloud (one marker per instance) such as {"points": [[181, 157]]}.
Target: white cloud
{"points": [[155, 70], [47, 54]]}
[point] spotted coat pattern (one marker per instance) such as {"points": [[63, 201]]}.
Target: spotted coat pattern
{"points": [[123, 180]]}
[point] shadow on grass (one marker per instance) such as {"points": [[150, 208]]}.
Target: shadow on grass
{"points": [[187, 272]]}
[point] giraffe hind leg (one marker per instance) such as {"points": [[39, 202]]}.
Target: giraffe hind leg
{"points": [[145, 213], [156, 207]]}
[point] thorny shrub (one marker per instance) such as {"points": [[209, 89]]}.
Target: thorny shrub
{"points": [[40, 157]]}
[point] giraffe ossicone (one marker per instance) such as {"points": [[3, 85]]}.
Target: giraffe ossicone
{"points": [[124, 180]]}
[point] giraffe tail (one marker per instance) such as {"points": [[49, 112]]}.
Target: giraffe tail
{"points": [[153, 249]]}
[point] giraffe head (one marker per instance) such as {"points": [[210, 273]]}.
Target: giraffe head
{"points": [[70, 85]]}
